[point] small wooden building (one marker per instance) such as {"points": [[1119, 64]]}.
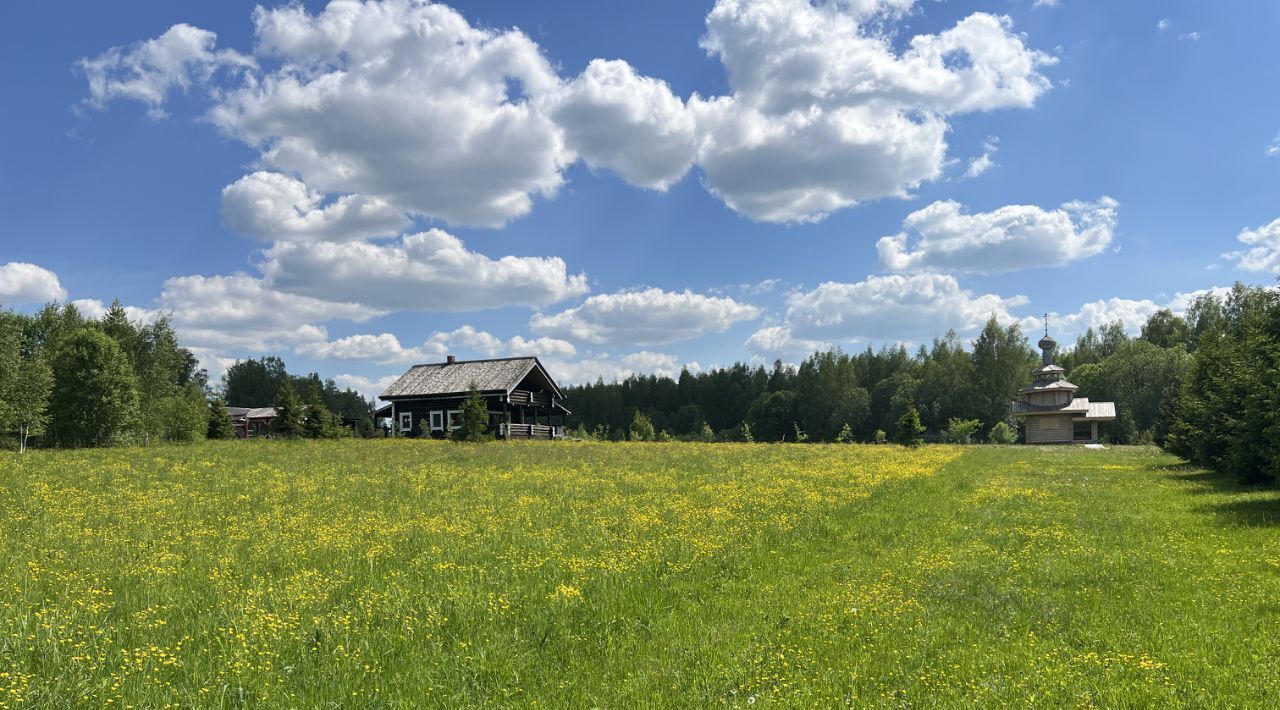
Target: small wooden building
{"points": [[522, 400], [251, 421], [1050, 408]]}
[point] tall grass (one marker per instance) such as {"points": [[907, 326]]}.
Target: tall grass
{"points": [[398, 573]]}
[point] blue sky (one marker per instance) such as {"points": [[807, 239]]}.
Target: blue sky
{"points": [[359, 187]]}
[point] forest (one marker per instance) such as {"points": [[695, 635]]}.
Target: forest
{"points": [[70, 381], [1203, 384], [1180, 383]]}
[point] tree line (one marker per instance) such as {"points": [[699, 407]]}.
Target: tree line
{"points": [[958, 392], [1227, 411], [67, 380]]}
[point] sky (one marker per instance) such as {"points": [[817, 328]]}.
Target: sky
{"points": [[631, 187]]}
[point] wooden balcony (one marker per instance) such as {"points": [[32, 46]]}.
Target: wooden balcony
{"points": [[530, 399], [530, 431]]}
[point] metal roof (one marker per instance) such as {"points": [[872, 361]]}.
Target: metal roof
{"points": [[456, 378]]}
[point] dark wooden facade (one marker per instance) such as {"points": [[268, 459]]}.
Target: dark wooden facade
{"points": [[522, 400]]}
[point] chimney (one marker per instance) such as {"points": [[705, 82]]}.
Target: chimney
{"points": [[450, 360]]}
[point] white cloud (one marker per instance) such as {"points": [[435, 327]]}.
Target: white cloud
{"points": [[96, 309], [1262, 252], [385, 348], [630, 124], [1013, 237], [777, 342], [404, 101], [984, 162], [148, 71], [825, 113], [1163, 24], [429, 271], [1044, 3], [21, 282], [1133, 313], [1189, 36], [408, 104], [368, 387], [616, 367], [647, 317], [1273, 148], [271, 206], [224, 313], [890, 308]]}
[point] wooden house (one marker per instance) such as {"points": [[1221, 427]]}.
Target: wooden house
{"points": [[1050, 408], [251, 421], [522, 400]]}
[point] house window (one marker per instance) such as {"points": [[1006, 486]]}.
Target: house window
{"points": [[437, 420], [454, 419], [406, 421]]}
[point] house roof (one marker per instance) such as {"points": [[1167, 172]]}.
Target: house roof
{"points": [[1101, 411], [1049, 386], [1081, 406], [239, 414], [456, 378]]}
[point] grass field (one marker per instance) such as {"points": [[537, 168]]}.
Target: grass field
{"points": [[393, 573]]}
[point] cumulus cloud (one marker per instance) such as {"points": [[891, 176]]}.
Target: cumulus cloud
{"points": [[628, 123], [368, 387], [777, 341], [1262, 252], [225, 313], [271, 206], [885, 308], [149, 71], [646, 317], [407, 103], [96, 309], [942, 236], [611, 368], [404, 101], [825, 113], [1132, 313], [21, 282], [385, 348], [429, 271]]}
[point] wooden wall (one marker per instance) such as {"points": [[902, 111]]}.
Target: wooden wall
{"points": [[1049, 429]]}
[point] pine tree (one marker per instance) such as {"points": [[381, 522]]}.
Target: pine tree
{"points": [[220, 426], [288, 410], [475, 417], [846, 435], [641, 427], [315, 424], [910, 429]]}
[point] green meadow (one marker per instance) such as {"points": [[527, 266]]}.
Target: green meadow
{"points": [[416, 573]]}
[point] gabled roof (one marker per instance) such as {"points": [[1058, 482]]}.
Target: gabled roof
{"points": [[455, 378], [241, 413]]}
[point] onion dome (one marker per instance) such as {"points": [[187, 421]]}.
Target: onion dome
{"points": [[1047, 343]]}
